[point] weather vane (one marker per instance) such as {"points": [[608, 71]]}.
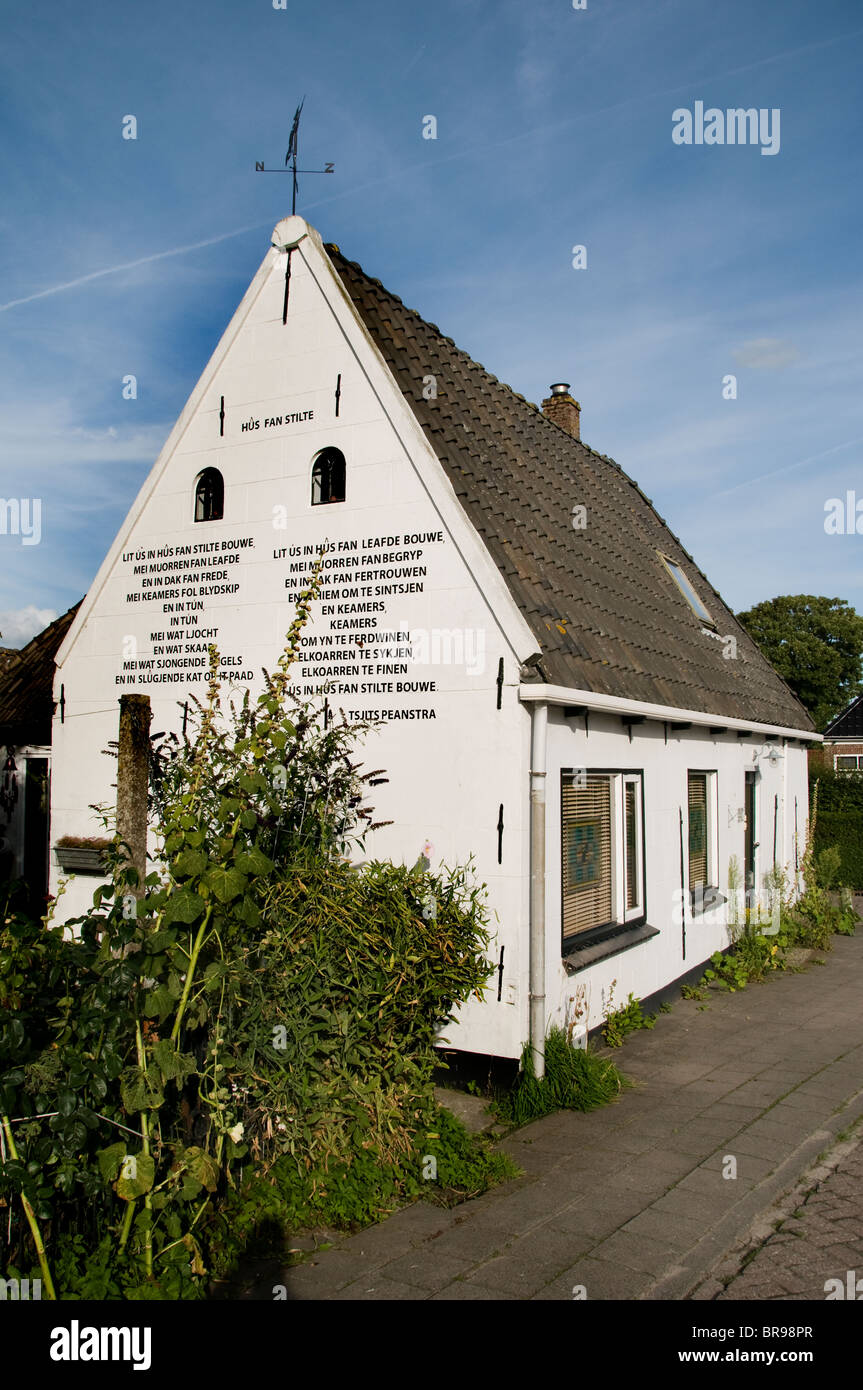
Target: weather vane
{"points": [[291, 159]]}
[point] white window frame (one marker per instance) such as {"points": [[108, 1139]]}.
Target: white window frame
{"points": [[618, 781], [687, 589], [626, 779], [858, 756]]}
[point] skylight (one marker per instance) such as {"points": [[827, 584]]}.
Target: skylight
{"points": [[687, 590]]}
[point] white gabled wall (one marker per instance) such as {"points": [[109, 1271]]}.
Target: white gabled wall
{"points": [[447, 775]]}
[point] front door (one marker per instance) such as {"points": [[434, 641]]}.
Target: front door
{"points": [[750, 842], [36, 801]]}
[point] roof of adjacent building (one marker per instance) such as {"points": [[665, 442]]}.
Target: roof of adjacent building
{"points": [[26, 698], [607, 614], [848, 724]]}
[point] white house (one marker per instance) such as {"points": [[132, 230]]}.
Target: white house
{"points": [[562, 692]]}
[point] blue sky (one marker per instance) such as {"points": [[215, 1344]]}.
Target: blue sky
{"points": [[554, 129]]}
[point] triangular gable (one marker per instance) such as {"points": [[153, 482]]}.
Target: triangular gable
{"points": [[848, 724], [228, 377]]}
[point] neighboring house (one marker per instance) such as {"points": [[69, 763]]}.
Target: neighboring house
{"points": [[843, 740], [563, 694], [26, 711]]}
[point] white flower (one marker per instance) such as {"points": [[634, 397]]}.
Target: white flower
{"points": [[236, 1133]]}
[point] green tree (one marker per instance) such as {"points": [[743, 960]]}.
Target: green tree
{"points": [[816, 645]]}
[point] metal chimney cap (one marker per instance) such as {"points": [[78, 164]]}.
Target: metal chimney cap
{"points": [[560, 388]]}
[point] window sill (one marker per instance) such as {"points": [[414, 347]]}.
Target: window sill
{"points": [[709, 899], [579, 957]]}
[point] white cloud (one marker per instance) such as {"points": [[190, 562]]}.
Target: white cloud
{"points": [[766, 353], [19, 625]]}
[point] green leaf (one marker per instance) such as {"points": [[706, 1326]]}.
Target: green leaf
{"points": [[202, 1167], [140, 1090], [110, 1160], [159, 941], [248, 912], [254, 861], [66, 1103], [189, 863], [214, 974], [183, 906], [173, 1064], [136, 1178], [160, 1002], [226, 884]]}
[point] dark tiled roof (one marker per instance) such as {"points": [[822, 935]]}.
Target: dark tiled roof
{"points": [[848, 724], [26, 687], [606, 613]]}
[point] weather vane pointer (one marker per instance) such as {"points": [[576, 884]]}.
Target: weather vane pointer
{"points": [[291, 159]]}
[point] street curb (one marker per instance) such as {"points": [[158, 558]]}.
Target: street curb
{"points": [[741, 1226]]}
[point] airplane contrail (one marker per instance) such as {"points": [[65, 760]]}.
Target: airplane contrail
{"points": [[130, 265], [788, 468]]}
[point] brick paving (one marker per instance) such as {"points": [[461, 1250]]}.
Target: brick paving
{"points": [[804, 1241], [636, 1200]]}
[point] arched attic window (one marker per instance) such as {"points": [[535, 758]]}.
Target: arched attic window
{"points": [[328, 477], [210, 496]]}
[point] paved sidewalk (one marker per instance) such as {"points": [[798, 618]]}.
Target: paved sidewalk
{"points": [[631, 1201]]}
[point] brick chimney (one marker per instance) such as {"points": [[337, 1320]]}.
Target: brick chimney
{"points": [[562, 409]]}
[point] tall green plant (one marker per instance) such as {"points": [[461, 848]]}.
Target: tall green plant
{"points": [[144, 1056]]}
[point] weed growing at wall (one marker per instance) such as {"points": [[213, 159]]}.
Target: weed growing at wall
{"points": [[808, 921], [629, 1018], [575, 1079]]}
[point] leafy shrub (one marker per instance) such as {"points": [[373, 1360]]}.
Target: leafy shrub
{"points": [[260, 1215], [843, 830], [836, 791], [751, 959], [256, 1018], [838, 799]]}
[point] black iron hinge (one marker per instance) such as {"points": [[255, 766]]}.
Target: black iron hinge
{"points": [[287, 287]]}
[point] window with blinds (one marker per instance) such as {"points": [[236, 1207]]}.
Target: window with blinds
{"points": [[697, 830], [588, 889]]}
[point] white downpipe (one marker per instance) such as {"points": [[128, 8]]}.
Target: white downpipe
{"points": [[538, 744]]}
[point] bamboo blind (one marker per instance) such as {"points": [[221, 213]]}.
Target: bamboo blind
{"points": [[586, 844], [697, 829]]}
